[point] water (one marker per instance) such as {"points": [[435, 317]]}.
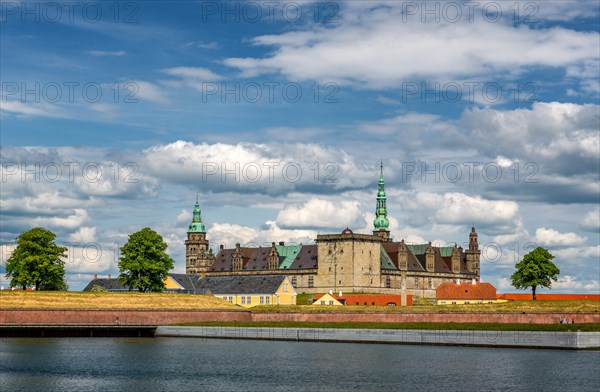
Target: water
{"points": [[188, 364]]}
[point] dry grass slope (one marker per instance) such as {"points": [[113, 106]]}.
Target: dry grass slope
{"points": [[19, 299], [508, 307]]}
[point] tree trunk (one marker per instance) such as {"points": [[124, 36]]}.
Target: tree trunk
{"points": [[24, 287], [37, 286], [533, 291]]}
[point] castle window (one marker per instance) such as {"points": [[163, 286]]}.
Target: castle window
{"points": [[388, 282], [294, 281], [311, 281], [416, 283], [430, 283]]}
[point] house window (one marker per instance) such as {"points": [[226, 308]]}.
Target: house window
{"points": [[225, 298], [285, 287], [322, 302], [243, 300], [230, 299], [267, 300], [294, 281], [388, 282], [249, 300], [311, 281], [453, 302], [330, 302]]}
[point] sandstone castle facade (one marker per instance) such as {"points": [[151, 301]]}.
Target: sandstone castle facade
{"points": [[347, 262]]}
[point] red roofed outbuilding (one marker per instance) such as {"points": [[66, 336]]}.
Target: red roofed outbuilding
{"points": [[465, 293]]}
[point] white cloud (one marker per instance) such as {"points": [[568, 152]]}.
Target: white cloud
{"points": [[250, 167], [591, 221], [578, 254], [230, 234], [84, 235], [550, 237], [144, 90], [571, 283], [320, 213], [376, 48]]}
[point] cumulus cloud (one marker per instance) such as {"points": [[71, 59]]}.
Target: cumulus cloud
{"points": [[548, 134], [550, 237], [591, 221], [84, 235], [230, 234], [259, 168], [320, 213]]}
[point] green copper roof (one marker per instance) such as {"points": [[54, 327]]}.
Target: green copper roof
{"points": [[386, 262], [446, 251], [287, 254], [381, 221], [196, 226], [417, 249]]}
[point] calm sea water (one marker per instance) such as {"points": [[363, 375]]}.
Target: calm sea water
{"points": [[188, 364]]}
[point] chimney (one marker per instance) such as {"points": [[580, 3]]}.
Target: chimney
{"points": [[457, 281], [221, 246], [474, 281], [95, 276], [108, 276]]}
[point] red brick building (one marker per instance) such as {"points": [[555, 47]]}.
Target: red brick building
{"points": [[368, 299]]}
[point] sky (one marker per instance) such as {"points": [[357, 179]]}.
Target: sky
{"points": [[115, 116]]}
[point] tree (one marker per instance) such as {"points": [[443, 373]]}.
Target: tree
{"points": [[37, 261], [144, 264], [536, 269]]}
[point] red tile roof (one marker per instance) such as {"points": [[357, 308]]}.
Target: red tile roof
{"points": [[469, 290], [369, 299]]}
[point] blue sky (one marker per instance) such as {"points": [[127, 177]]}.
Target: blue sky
{"points": [[114, 115]]}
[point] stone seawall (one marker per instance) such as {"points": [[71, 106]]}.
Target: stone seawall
{"points": [[536, 339], [497, 318], [116, 317]]}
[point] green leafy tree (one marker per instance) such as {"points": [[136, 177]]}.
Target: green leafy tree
{"points": [[144, 264], [536, 269], [37, 261]]}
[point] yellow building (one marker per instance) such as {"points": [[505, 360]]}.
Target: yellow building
{"points": [[248, 291], [327, 300]]}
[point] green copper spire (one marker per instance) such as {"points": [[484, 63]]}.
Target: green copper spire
{"points": [[381, 221], [196, 226]]}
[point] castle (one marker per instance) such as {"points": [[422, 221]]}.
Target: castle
{"points": [[347, 262]]}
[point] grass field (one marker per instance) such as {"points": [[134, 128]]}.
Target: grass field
{"points": [[75, 300], [429, 326], [508, 307]]}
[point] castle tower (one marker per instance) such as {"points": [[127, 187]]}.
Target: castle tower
{"points": [[381, 222], [198, 258], [473, 253]]}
